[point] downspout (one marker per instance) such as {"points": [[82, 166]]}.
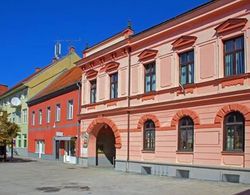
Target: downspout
{"points": [[128, 122], [79, 121]]}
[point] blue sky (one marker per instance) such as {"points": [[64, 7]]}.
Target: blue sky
{"points": [[29, 28]]}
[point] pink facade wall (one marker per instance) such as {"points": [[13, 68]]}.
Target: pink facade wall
{"points": [[210, 92]]}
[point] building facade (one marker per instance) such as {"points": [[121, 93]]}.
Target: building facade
{"points": [[174, 99], [53, 125], [28, 88]]}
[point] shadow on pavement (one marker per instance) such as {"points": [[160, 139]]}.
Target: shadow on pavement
{"points": [[18, 160], [246, 192]]}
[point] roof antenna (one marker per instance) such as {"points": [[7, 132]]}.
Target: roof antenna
{"points": [[58, 48], [87, 46], [129, 24]]}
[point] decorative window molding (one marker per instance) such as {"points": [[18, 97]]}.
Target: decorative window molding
{"points": [[183, 113], [231, 24], [111, 67], [91, 74], [244, 110], [146, 117], [147, 54], [184, 41]]}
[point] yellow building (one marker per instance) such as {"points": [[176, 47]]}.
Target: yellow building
{"points": [[14, 100]]}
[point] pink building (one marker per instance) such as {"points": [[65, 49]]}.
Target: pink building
{"points": [[174, 99]]}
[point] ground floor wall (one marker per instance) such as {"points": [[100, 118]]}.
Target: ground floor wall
{"points": [[21, 152], [53, 143], [207, 144], [213, 173]]}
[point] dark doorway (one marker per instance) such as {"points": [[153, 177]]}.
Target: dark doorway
{"points": [[57, 148], [105, 147]]}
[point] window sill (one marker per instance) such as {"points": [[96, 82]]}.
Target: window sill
{"points": [[113, 103], [188, 88], [92, 105], [232, 153], [184, 152], [148, 151], [149, 93], [233, 80]]}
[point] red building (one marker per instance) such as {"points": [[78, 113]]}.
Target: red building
{"points": [[53, 124]]}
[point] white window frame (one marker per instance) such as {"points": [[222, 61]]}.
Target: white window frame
{"points": [[33, 118], [58, 112], [37, 146], [70, 110], [25, 118], [40, 116], [48, 115]]}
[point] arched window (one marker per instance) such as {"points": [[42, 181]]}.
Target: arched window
{"points": [[186, 134], [234, 129], [149, 136]]}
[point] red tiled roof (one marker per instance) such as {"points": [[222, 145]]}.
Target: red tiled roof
{"points": [[64, 80]]}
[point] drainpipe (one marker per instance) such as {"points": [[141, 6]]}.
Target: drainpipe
{"points": [[128, 122], [79, 121]]}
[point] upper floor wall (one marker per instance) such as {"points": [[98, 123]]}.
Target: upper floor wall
{"points": [[56, 113], [17, 113], [47, 75], [206, 33]]}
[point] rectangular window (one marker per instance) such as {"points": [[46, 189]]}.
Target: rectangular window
{"points": [[234, 63], [24, 140], [58, 112], [13, 117], [40, 146], [48, 115], [25, 116], [40, 117], [114, 85], [70, 109], [33, 118], [18, 116], [150, 77], [19, 143], [187, 67], [93, 91]]}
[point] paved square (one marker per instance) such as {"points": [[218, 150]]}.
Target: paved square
{"points": [[46, 177]]}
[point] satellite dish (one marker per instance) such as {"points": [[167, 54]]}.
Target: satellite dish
{"points": [[15, 101]]}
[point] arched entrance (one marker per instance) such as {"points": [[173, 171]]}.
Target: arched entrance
{"points": [[104, 140], [105, 147]]}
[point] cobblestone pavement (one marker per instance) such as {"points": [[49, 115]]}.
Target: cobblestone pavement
{"points": [[49, 177]]}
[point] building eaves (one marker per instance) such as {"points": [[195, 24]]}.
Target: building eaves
{"points": [[62, 82]]}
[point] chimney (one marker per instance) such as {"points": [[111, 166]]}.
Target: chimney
{"points": [[37, 69], [72, 49], [3, 89]]}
